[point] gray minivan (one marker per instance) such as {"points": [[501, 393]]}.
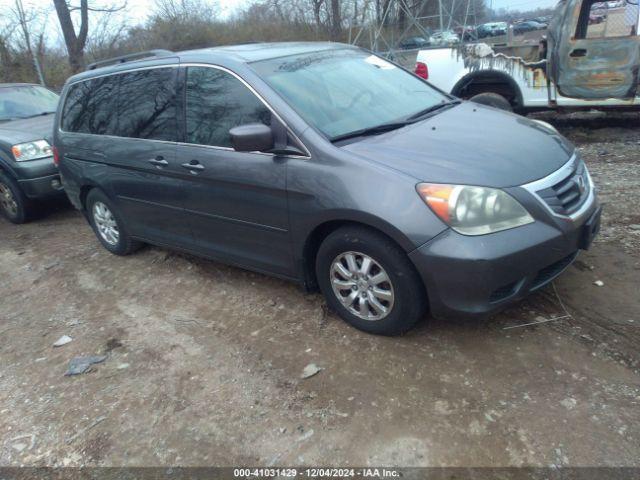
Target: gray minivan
{"points": [[330, 166]]}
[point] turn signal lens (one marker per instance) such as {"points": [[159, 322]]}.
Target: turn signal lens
{"points": [[437, 197], [473, 210]]}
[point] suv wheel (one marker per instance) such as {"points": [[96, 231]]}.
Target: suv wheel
{"points": [[14, 205], [108, 225], [369, 281]]}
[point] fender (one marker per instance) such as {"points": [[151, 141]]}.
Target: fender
{"points": [[5, 165], [309, 239], [363, 218]]}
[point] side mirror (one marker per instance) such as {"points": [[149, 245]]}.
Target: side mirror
{"points": [[252, 137]]}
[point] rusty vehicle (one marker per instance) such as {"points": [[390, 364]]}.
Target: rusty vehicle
{"points": [[578, 64]]}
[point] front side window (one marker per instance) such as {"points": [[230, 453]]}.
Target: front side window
{"points": [[147, 103], [216, 102], [24, 101], [342, 91]]}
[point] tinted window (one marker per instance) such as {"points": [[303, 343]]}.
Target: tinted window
{"points": [[217, 102], [91, 107], [74, 117], [147, 104]]}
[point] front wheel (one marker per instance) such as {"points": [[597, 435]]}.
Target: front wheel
{"points": [[14, 205], [369, 281]]}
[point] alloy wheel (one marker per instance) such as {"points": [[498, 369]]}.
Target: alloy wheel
{"points": [[8, 201], [362, 285], [106, 223]]}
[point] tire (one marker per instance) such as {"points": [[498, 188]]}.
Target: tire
{"points": [[14, 205], [492, 100], [407, 303], [108, 224]]}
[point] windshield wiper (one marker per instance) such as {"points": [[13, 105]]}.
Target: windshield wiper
{"points": [[432, 109], [363, 132]]}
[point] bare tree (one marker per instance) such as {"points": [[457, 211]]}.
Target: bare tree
{"points": [[24, 26], [103, 42], [336, 20], [317, 6], [186, 10], [76, 42]]}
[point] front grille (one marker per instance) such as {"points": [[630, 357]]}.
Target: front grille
{"points": [[550, 272], [567, 195]]}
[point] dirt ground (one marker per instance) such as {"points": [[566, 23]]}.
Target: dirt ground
{"points": [[204, 361]]}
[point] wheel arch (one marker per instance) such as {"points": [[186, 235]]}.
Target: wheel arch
{"points": [[319, 232], [5, 166], [490, 77], [84, 190]]}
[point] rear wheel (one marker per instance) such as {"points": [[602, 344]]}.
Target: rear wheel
{"points": [[14, 205], [369, 281], [108, 224], [492, 100]]}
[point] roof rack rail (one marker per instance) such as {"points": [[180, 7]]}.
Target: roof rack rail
{"points": [[129, 57]]}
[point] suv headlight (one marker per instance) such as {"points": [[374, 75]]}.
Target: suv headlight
{"points": [[474, 210], [31, 150]]}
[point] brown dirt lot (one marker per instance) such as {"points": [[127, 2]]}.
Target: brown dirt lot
{"points": [[204, 360]]}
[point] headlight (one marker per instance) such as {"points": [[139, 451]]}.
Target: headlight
{"points": [[474, 210], [31, 150]]}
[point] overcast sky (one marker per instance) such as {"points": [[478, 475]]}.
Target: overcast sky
{"points": [[138, 10]]}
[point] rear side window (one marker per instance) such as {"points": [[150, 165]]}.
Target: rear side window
{"points": [[74, 118], [90, 107], [147, 104], [216, 102]]}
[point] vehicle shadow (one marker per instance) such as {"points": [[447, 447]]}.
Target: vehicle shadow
{"points": [[47, 208]]}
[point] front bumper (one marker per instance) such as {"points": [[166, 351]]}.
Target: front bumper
{"points": [[482, 274], [42, 187], [38, 178]]}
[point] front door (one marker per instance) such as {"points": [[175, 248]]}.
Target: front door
{"points": [[237, 201], [594, 49]]}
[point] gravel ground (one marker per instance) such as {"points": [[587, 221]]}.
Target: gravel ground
{"points": [[204, 361]]}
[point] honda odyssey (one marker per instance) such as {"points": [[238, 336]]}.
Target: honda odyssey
{"points": [[327, 165]]}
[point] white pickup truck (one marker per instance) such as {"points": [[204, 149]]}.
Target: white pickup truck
{"points": [[581, 64]]}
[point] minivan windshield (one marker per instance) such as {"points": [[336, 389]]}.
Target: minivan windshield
{"points": [[24, 101], [344, 91]]}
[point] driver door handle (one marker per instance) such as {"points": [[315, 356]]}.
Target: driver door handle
{"points": [[158, 162], [194, 166], [578, 52]]}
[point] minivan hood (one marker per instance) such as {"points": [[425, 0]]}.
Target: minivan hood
{"points": [[470, 144], [27, 130]]}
